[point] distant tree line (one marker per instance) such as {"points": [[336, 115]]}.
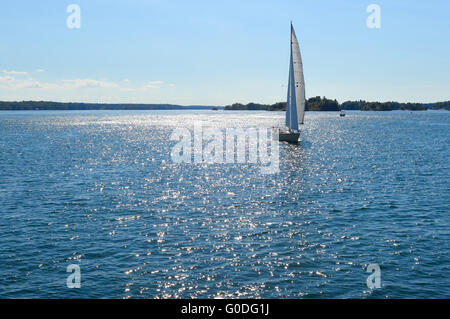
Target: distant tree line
{"points": [[381, 106], [46, 105], [312, 104], [323, 104], [439, 105]]}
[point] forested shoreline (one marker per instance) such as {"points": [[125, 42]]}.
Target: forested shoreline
{"points": [[312, 104], [323, 104], [48, 105]]}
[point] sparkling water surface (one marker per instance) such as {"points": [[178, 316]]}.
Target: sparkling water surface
{"points": [[99, 189]]}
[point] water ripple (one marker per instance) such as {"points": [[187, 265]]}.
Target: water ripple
{"points": [[99, 189]]}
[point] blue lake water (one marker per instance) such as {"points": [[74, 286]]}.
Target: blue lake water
{"points": [[99, 189]]}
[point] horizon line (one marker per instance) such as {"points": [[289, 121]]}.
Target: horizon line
{"points": [[214, 105]]}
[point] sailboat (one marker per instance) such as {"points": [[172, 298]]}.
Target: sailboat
{"points": [[295, 107]]}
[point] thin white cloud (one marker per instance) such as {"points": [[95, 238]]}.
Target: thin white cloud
{"points": [[148, 86], [13, 83], [40, 70], [34, 84], [12, 72], [89, 83], [153, 85], [10, 82], [6, 79]]}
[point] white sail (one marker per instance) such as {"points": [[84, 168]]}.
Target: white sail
{"points": [[295, 108]]}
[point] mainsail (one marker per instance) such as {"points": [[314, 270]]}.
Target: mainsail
{"points": [[295, 108]]}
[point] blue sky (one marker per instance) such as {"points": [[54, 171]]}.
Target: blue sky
{"points": [[220, 52]]}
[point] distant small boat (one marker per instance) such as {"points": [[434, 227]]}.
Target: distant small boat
{"points": [[214, 109], [295, 107], [342, 114]]}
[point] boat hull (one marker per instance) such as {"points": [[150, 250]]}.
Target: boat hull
{"points": [[290, 137]]}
